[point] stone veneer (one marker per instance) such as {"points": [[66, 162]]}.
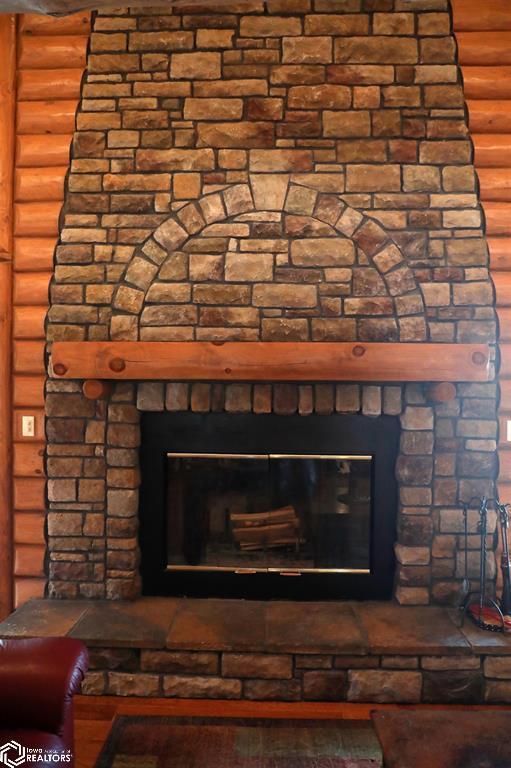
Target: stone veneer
{"points": [[274, 650], [378, 678], [447, 452], [294, 170]]}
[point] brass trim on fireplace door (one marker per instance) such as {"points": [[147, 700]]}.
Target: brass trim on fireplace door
{"points": [[242, 571], [217, 455], [342, 457]]}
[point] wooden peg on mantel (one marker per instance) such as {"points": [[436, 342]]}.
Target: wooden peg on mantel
{"points": [[441, 392], [94, 389]]}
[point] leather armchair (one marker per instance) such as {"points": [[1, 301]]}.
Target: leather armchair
{"points": [[38, 678]]}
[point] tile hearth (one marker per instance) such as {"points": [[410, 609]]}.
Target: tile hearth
{"points": [[233, 649]]}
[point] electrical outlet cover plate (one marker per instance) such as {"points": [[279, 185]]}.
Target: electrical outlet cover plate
{"points": [[27, 426]]}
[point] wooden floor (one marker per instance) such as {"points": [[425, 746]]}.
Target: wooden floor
{"points": [[94, 714]]}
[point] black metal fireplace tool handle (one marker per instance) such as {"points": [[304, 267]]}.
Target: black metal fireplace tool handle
{"points": [[479, 597], [505, 564]]}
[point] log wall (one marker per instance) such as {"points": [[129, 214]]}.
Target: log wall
{"points": [[483, 32], [7, 107], [50, 63]]}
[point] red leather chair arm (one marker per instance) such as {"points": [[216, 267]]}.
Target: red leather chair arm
{"points": [[38, 678]]}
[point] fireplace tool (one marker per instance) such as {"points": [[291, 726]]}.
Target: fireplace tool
{"points": [[505, 564], [482, 609], [466, 583]]}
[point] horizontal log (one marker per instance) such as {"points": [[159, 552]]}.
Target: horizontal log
{"points": [[492, 150], [272, 361], [29, 493], [502, 282], [53, 117], [43, 150], [28, 322], [505, 360], [52, 52], [484, 48], [39, 184], [37, 219], [26, 588], [37, 24], [477, 16], [505, 464], [28, 391], [500, 253], [504, 314], [31, 288], [489, 116], [28, 357], [37, 84], [504, 489], [505, 468], [28, 459], [29, 528], [33, 254], [29, 560], [498, 218], [505, 396], [487, 82], [17, 424], [495, 184]]}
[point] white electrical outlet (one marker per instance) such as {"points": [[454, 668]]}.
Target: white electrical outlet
{"points": [[27, 426], [508, 430]]}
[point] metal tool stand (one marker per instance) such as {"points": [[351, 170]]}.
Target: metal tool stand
{"points": [[480, 598]]}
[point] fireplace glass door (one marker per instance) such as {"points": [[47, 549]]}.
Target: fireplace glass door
{"points": [[267, 506], [282, 513]]}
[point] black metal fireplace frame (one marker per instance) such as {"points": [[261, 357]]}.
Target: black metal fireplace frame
{"points": [[257, 433]]}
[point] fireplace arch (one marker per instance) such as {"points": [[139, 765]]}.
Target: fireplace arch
{"points": [[270, 260]]}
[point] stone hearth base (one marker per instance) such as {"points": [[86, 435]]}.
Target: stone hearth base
{"points": [[280, 651]]}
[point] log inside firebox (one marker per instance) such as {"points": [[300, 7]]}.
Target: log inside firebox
{"points": [[263, 530]]}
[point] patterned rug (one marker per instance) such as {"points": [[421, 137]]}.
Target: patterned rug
{"points": [[171, 742]]}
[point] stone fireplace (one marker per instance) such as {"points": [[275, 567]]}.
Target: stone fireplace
{"points": [[294, 171]]}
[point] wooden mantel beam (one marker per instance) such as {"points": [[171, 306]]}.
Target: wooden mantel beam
{"points": [[270, 361]]}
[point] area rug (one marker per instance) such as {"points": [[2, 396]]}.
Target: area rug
{"points": [[172, 742], [445, 738]]}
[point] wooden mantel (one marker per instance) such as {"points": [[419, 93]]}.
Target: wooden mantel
{"points": [[270, 361]]}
